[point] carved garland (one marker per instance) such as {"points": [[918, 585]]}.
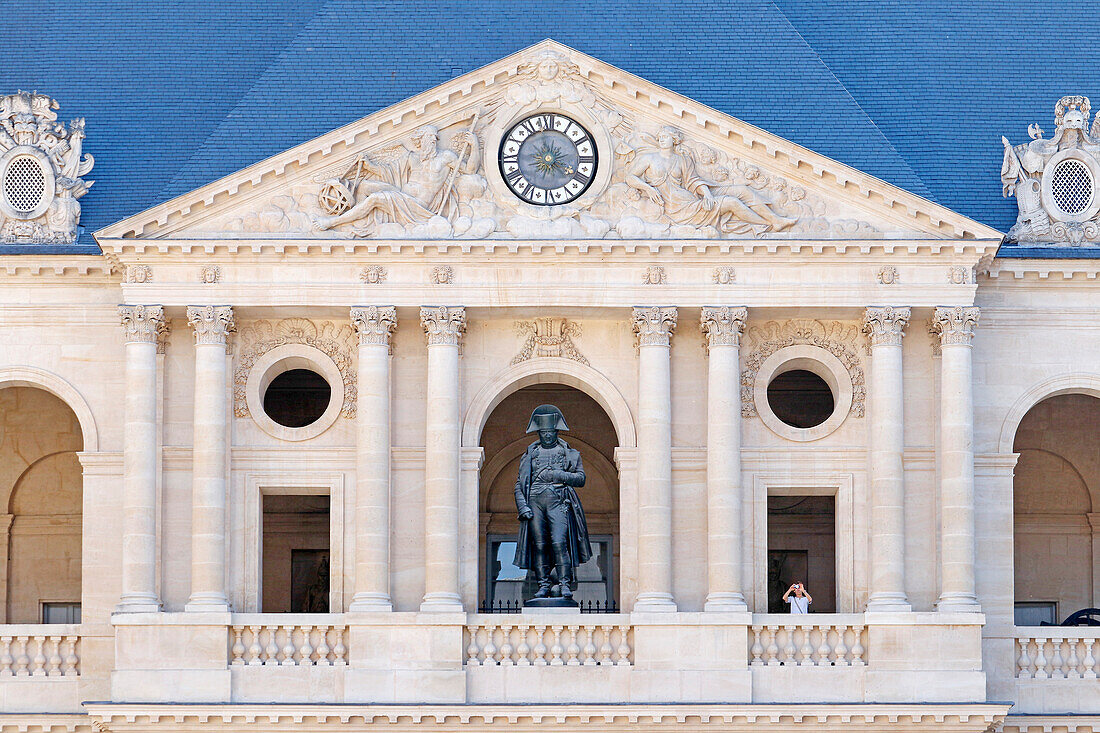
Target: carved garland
{"points": [[259, 337], [548, 337], [839, 339]]}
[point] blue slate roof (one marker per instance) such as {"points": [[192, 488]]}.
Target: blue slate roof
{"points": [[917, 92]]}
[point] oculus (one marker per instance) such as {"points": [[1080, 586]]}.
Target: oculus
{"points": [[548, 159]]}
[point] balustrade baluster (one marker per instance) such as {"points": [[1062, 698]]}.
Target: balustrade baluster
{"points": [[490, 646], [823, 648], [6, 659], [53, 662], [1090, 660], [472, 649], [806, 650], [840, 650], [573, 650], [339, 651], [606, 650], [271, 649], [23, 660], [589, 650], [1023, 662], [556, 649], [789, 648], [757, 649], [540, 645], [39, 657], [1040, 658], [305, 649], [1057, 662], [71, 659], [624, 646], [1074, 661], [506, 648], [323, 649], [772, 650], [523, 650], [288, 648], [255, 649], [857, 646], [238, 646]]}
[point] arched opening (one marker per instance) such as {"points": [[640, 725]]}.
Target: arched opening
{"points": [[504, 440], [41, 478], [1055, 488]]}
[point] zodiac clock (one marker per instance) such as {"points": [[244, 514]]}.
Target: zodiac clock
{"points": [[548, 159]]}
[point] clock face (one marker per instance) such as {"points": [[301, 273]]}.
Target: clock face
{"points": [[548, 159]]}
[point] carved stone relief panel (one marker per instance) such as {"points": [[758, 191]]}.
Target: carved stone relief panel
{"points": [[548, 337], [256, 338]]}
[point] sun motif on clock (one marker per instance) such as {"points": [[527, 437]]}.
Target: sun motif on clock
{"points": [[548, 159]]}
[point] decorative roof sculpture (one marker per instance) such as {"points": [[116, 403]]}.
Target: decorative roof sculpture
{"points": [[1056, 181], [41, 170]]}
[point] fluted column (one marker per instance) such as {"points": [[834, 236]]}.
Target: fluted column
{"points": [[955, 327], [654, 326], [212, 324], [142, 324], [444, 327], [372, 459], [722, 328], [886, 327]]}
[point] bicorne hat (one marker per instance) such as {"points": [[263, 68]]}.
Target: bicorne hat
{"points": [[546, 417]]}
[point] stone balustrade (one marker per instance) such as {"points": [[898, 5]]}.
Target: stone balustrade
{"points": [[1056, 652], [571, 641], [255, 642], [39, 650], [807, 641]]}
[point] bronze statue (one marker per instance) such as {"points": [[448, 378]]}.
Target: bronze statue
{"points": [[552, 530]]}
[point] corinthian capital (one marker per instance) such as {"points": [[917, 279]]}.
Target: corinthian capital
{"points": [[374, 324], [443, 324], [886, 324], [723, 325], [955, 325], [212, 323], [142, 323], [654, 324]]}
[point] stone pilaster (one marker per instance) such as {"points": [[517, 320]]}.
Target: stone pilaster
{"points": [[143, 326], [654, 326], [212, 325], [886, 326], [722, 327], [375, 325], [443, 327], [955, 328]]}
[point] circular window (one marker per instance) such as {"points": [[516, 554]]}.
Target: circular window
{"points": [[803, 392], [1071, 186], [24, 184], [800, 398], [294, 392], [297, 398]]}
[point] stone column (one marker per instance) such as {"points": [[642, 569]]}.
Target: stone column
{"points": [[886, 327], [955, 327], [654, 326], [372, 459], [722, 327], [212, 325], [444, 327], [142, 323]]}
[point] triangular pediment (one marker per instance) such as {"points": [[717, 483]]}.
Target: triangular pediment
{"points": [[656, 166]]}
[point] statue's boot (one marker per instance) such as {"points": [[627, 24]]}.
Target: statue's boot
{"points": [[565, 571], [542, 575]]}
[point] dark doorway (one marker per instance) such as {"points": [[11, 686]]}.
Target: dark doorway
{"points": [[295, 561], [802, 548]]}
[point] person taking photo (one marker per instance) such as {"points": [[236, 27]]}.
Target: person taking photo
{"points": [[800, 600]]}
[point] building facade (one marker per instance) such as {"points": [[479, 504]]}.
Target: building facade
{"points": [[260, 451]]}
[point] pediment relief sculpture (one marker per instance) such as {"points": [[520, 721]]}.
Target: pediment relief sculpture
{"points": [[1056, 181], [547, 153], [41, 171]]}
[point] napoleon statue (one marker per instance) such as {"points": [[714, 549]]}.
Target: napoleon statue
{"points": [[553, 533]]}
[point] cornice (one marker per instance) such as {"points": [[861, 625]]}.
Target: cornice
{"points": [[626, 717], [659, 105], [1043, 270]]}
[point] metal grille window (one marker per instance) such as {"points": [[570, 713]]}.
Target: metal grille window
{"points": [[24, 184], [1071, 186]]}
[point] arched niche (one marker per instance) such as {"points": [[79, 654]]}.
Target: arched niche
{"points": [[24, 376], [1056, 493], [42, 484], [504, 440]]}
